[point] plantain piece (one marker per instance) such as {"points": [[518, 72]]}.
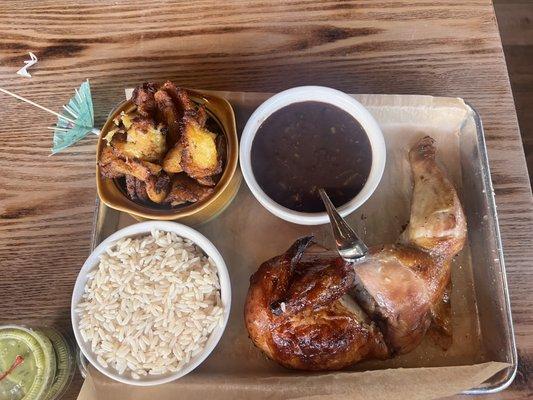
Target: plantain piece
{"points": [[172, 160], [201, 115], [157, 187], [222, 148], [199, 158], [170, 115], [165, 149], [130, 187], [109, 136], [143, 97], [124, 120], [144, 141], [127, 119], [181, 98], [112, 166], [106, 156], [186, 190], [207, 181], [140, 190], [117, 134]]}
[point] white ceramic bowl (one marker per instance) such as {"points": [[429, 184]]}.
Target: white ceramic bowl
{"points": [[136, 230], [324, 95]]}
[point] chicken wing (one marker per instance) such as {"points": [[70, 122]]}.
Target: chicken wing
{"points": [[437, 223]]}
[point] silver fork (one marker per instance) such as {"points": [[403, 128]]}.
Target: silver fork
{"points": [[349, 246]]}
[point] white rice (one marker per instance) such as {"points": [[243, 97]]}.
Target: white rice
{"points": [[150, 305]]}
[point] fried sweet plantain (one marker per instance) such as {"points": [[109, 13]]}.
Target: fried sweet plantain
{"points": [[172, 160], [127, 119], [222, 148], [112, 166], [199, 158], [170, 115], [136, 189], [184, 104], [207, 181], [118, 134], [186, 190], [145, 141], [140, 190], [143, 97], [201, 115], [107, 156], [130, 187], [165, 149], [180, 97], [157, 187]]}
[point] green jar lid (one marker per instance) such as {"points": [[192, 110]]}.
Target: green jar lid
{"points": [[27, 364]]}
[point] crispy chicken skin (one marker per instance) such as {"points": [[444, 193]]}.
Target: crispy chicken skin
{"points": [[300, 309], [299, 314]]}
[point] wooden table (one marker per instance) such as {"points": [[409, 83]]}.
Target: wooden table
{"points": [[443, 48]]}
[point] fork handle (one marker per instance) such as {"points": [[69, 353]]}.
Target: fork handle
{"points": [[349, 246]]}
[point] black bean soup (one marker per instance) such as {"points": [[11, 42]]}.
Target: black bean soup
{"points": [[305, 146]]}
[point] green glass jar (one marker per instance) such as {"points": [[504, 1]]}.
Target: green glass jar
{"points": [[35, 363]]}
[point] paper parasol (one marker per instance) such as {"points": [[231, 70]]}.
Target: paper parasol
{"points": [[75, 122]]}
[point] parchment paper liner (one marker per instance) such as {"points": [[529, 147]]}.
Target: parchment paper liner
{"points": [[246, 235]]}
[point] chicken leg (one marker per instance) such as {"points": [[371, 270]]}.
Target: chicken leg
{"points": [[402, 286]]}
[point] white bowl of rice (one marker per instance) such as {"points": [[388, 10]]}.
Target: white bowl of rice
{"points": [[151, 303]]}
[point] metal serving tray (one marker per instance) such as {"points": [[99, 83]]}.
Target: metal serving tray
{"points": [[482, 272]]}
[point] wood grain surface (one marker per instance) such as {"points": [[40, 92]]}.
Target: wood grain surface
{"points": [[448, 48], [515, 20]]}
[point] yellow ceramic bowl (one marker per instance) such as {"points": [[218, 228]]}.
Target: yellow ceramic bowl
{"points": [[113, 196]]}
